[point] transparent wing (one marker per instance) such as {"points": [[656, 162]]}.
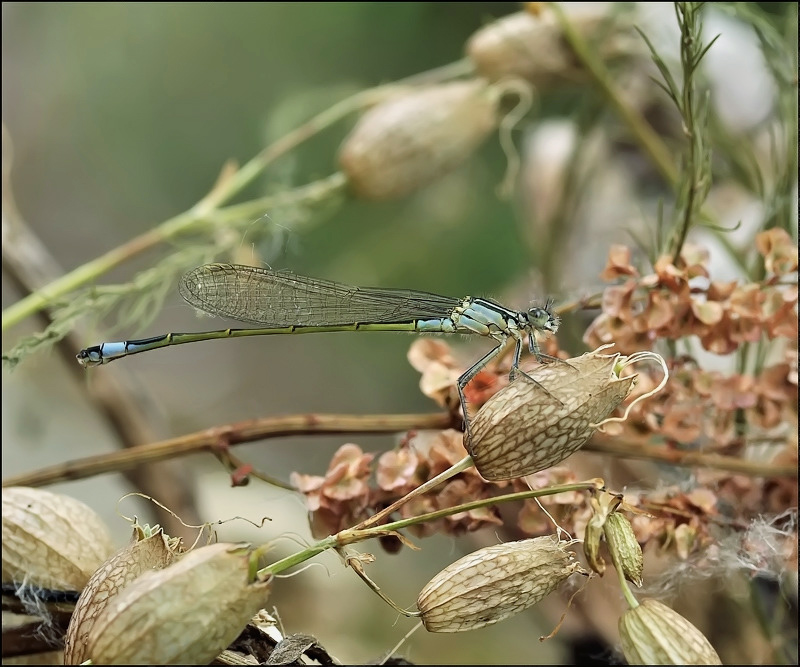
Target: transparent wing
{"points": [[281, 299]]}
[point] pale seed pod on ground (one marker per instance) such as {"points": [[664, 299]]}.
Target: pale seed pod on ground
{"points": [[406, 143], [533, 47], [185, 614], [146, 551], [624, 547], [493, 583], [537, 421], [51, 540], [654, 634]]}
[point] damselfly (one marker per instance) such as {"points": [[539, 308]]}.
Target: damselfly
{"points": [[280, 302]]}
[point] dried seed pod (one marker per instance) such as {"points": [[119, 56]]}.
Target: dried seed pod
{"points": [[538, 420], [493, 583], [185, 614], [654, 634], [51, 540], [533, 48], [603, 504], [148, 550], [406, 143], [624, 547]]}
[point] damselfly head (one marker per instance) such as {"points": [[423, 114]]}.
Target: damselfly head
{"points": [[91, 356], [544, 319]]}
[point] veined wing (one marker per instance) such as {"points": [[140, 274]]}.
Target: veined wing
{"points": [[281, 299]]}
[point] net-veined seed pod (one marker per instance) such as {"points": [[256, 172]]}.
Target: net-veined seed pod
{"points": [[186, 613], [654, 634], [408, 142], [51, 540], [540, 419], [493, 583], [148, 550], [532, 47], [624, 547]]}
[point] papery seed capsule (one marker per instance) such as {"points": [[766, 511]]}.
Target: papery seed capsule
{"points": [[591, 544], [148, 550], [603, 504], [539, 420], [654, 634], [533, 48], [51, 540], [185, 614], [406, 143], [493, 583], [624, 547]]}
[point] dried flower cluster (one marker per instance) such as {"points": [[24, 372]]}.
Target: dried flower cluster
{"points": [[347, 495], [713, 411], [679, 301]]}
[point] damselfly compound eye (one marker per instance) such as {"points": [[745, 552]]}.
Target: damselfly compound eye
{"points": [[543, 319]]}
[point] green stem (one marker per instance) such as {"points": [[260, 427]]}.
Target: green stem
{"points": [[352, 535], [356, 534], [305, 194]]}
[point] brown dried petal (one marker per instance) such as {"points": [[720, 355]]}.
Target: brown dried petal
{"points": [[708, 312], [718, 339], [654, 634], [51, 540], [695, 259], [780, 311], [683, 422], [617, 300], [406, 143], [618, 263], [668, 274], [719, 291], [145, 552], [185, 614], [396, 468], [778, 250], [536, 422], [746, 301], [493, 583], [661, 312], [426, 351], [348, 473]]}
